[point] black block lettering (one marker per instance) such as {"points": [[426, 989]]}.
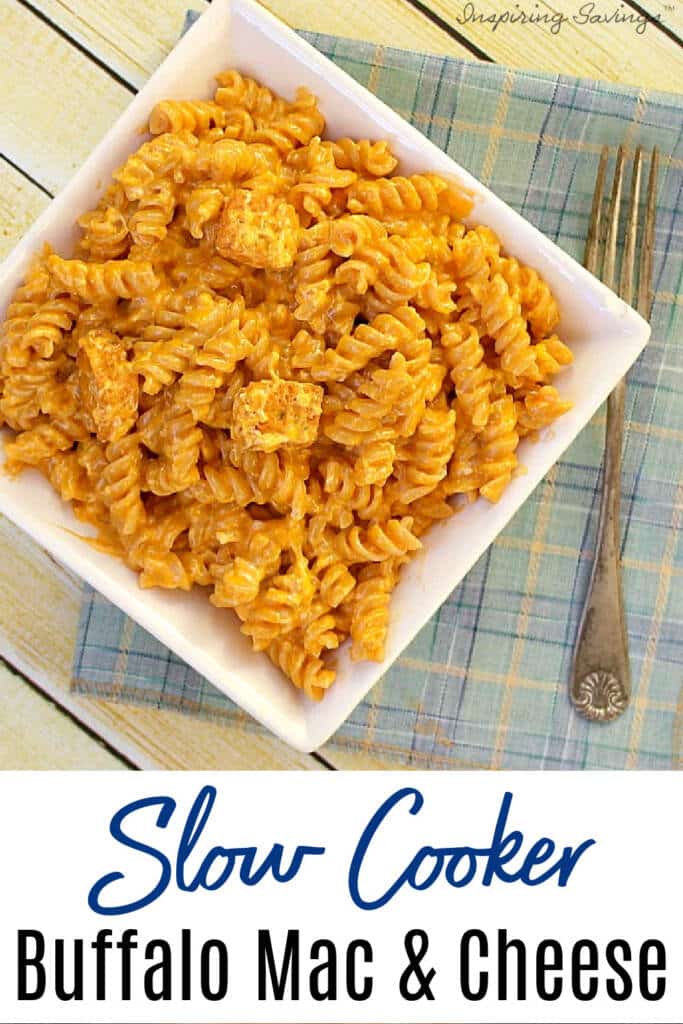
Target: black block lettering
{"points": [[34, 961], [474, 994], [267, 969]]}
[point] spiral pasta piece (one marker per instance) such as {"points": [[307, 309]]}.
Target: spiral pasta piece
{"points": [[313, 264], [26, 301], [276, 478], [237, 583], [97, 282], [36, 445], [202, 206], [317, 179], [387, 268], [420, 192], [363, 156], [67, 476], [469, 372], [375, 462], [343, 496], [226, 484], [172, 434], [398, 332], [216, 525], [154, 213], [336, 582], [307, 672], [502, 320], [498, 441], [552, 355], [279, 608], [210, 364], [295, 126], [319, 630], [43, 332], [464, 470], [237, 90], [160, 363], [225, 161], [105, 234], [121, 482], [150, 552], [423, 462], [370, 613], [538, 304], [472, 270], [539, 408], [168, 154], [435, 295], [185, 115], [431, 508], [377, 542]]}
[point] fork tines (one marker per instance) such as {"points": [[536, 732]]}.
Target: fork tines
{"points": [[607, 271]]}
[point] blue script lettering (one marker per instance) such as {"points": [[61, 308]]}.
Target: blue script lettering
{"points": [[459, 864], [219, 861]]}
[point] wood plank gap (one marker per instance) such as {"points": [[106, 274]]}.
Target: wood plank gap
{"points": [[319, 757], [25, 174], [63, 34], [83, 726], [655, 22], [446, 26]]}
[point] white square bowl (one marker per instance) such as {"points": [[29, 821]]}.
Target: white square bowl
{"points": [[605, 334]]}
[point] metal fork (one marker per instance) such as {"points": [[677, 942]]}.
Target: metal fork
{"points": [[601, 678]]}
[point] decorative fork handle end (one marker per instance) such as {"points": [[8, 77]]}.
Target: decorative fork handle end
{"points": [[599, 696], [601, 677]]}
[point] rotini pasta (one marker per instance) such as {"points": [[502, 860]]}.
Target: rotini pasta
{"points": [[271, 364]]}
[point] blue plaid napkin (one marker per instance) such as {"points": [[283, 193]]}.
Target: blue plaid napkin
{"points": [[484, 685]]}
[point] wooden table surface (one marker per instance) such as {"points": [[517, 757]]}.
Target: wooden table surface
{"points": [[67, 69]]}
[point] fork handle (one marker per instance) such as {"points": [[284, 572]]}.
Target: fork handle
{"points": [[601, 682]]}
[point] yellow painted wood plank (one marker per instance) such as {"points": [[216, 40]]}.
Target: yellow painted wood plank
{"points": [[20, 204], [36, 734], [385, 22], [669, 12], [615, 52], [130, 36], [55, 103], [133, 38]]}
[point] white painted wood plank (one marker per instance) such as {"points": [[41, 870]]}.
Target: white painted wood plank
{"points": [[36, 734], [20, 204], [55, 103]]}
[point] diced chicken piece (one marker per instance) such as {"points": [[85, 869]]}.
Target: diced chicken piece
{"points": [[269, 414], [260, 230], [107, 385]]}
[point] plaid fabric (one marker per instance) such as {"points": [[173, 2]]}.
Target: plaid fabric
{"points": [[485, 683]]}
